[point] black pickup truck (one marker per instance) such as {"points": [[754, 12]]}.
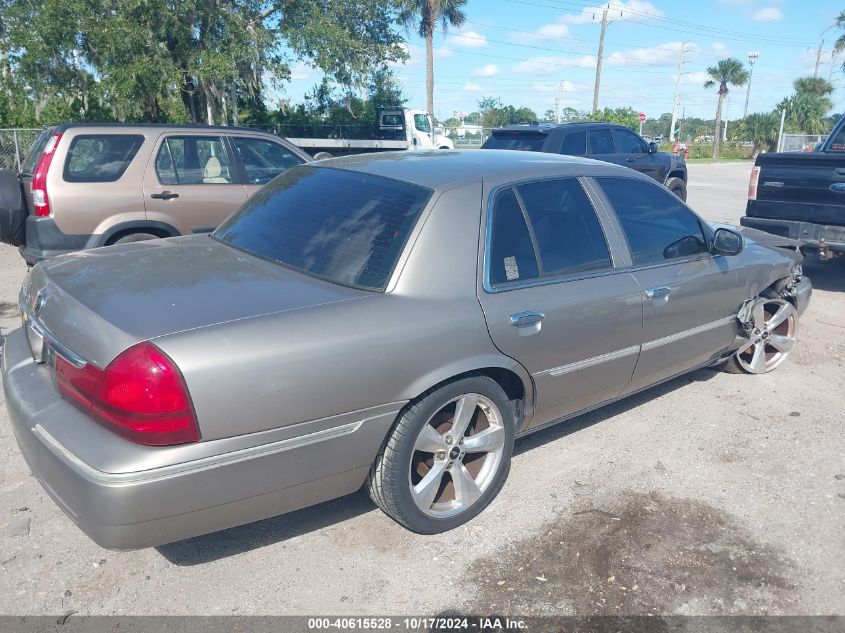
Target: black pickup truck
{"points": [[802, 195]]}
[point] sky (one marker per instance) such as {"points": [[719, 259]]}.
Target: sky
{"points": [[524, 51]]}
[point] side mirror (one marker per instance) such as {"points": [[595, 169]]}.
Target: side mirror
{"points": [[653, 148], [727, 242]]}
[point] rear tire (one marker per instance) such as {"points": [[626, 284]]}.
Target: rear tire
{"points": [[135, 237], [431, 477], [678, 187], [12, 209]]}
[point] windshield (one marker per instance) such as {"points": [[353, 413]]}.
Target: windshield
{"points": [[422, 122], [342, 226]]}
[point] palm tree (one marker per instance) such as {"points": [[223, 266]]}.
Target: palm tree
{"points": [[761, 130], [727, 71], [425, 15], [815, 86]]}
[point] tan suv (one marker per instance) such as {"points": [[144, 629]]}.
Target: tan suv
{"points": [[85, 185]]}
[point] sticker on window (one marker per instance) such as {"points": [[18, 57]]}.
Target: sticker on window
{"points": [[511, 269]]}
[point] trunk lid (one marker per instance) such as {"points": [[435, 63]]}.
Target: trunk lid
{"points": [[99, 302]]}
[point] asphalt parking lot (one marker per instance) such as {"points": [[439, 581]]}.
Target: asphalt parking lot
{"points": [[711, 494]]}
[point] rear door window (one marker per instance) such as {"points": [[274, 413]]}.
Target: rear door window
{"points": [[193, 160], [511, 257], [657, 225], [263, 160], [100, 157], [574, 144], [568, 235], [601, 142], [516, 140]]}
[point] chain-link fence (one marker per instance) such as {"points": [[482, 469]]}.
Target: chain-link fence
{"points": [[800, 142], [14, 146]]}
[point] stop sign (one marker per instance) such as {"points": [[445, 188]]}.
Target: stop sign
{"points": [[641, 116]]}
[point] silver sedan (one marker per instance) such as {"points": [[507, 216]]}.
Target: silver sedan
{"points": [[392, 321]]}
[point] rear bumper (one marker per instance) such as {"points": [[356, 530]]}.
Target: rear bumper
{"points": [[44, 239], [166, 503], [813, 235]]}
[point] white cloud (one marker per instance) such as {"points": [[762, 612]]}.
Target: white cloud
{"points": [[697, 77], [553, 31], [472, 87], [490, 70], [770, 14], [300, 71], [468, 39], [654, 56], [416, 55], [630, 10], [548, 65], [720, 49]]}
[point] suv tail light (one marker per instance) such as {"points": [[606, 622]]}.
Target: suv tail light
{"points": [[752, 184], [141, 396], [40, 201]]}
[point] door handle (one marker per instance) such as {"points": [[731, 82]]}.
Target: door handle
{"points": [[630, 160], [838, 187], [658, 295], [164, 195], [522, 319]]}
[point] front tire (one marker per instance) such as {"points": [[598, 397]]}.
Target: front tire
{"points": [[770, 338], [135, 237], [446, 458], [678, 187]]}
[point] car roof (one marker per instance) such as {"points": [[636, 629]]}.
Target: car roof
{"points": [[548, 127], [442, 169], [158, 126]]}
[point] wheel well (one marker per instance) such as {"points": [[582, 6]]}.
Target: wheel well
{"points": [[137, 229], [677, 174], [510, 382]]}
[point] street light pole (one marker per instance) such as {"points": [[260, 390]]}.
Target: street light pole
{"points": [[752, 57]]}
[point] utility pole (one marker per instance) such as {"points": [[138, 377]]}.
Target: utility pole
{"points": [[819, 53], [559, 101], [780, 133], [752, 57], [677, 91], [598, 60], [818, 58]]}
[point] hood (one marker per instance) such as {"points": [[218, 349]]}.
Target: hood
{"points": [[101, 301]]}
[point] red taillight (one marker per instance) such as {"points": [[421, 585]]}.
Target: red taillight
{"points": [[752, 184], [141, 395], [40, 201]]}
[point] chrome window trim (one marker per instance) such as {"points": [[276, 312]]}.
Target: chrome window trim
{"points": [[63, 350], [489, 288]]}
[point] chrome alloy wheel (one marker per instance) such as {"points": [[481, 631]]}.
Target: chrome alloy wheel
{"points": [[774, 326], [456, 455]]}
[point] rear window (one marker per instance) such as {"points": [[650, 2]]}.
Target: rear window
{"points": [[100, 157], [31, 159], [346, 227], [516, 140]]}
